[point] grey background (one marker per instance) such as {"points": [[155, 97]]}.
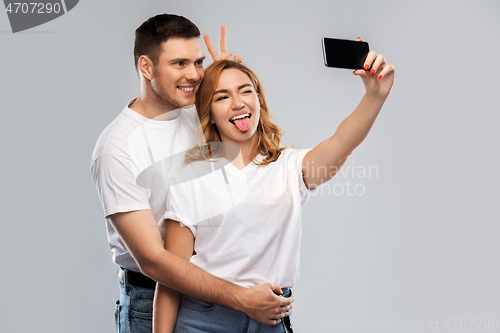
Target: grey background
{"points": [[421, 244]]}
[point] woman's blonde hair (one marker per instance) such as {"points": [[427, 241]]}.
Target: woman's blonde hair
{"points": [[268, 135]]}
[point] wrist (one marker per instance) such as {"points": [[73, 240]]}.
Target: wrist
{"points": [[375, 97], [233, 296], [239, 299]]}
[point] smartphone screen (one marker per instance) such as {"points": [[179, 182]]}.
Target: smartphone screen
{"points": [[343, 53]]}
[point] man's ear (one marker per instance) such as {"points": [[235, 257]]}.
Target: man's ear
{"points": [[145, 66]]}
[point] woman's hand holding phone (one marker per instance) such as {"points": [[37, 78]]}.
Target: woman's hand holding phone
{"points": [[377, 75]]}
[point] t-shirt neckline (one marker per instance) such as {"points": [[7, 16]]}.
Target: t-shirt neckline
{"points": [[157, 122]]}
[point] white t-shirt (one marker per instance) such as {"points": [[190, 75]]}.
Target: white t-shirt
{"points": [[131, 164], [247, 223]]}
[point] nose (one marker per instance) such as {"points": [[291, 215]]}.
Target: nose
{"points": [[192, 74], [237, 103]]}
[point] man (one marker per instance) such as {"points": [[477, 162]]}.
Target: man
{"points": [[154, 126]]}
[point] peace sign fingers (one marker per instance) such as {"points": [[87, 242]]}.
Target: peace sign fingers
{"points": [[222, 55]]}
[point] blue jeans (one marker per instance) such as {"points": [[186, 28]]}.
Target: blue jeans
{"points": [[196, 316], [134, 309]]}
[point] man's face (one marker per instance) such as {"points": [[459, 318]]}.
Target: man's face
{"points": [[178, 73]]}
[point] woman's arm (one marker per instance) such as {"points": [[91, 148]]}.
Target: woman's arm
{"points": [[330, 155], [180, 241]]}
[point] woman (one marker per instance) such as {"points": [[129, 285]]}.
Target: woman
{"points": [[244, 218]]}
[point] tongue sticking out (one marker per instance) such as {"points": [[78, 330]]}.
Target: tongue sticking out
{"points": [[243, 124]]}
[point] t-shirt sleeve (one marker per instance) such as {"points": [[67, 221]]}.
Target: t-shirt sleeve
{"points": [[116, 185], [179, 206], [295, 159]]}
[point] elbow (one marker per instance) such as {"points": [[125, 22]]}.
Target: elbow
{"points": [[147, 269], [149, 265], [344, 159], [341, 148]]}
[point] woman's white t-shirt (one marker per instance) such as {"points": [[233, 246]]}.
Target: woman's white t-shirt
{"points": [[246, 223]]}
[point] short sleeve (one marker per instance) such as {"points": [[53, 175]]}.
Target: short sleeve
{"points": [[114, 179], [179, 206], [294, 161]]}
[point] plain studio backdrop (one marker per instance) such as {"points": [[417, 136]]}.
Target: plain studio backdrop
{"points": [[405, 238]]}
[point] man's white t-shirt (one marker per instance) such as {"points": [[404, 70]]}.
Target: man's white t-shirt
{"points": [[131, 165], [246, 223]]}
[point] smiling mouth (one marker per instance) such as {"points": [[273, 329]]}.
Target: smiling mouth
{"points": [[187, 89], [242, 121], [241, 116]]}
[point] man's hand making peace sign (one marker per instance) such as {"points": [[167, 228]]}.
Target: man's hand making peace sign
{"points": [[222, 55]]}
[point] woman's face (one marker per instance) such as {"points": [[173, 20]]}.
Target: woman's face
{"points": [[235, 107]]}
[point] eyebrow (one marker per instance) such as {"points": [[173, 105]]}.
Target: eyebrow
{"points": [[173, 61], [240, 87]]}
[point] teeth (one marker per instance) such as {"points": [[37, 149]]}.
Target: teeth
{"points": [[241, 116], [186, 88]]}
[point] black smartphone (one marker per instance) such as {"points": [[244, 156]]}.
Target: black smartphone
{"points": [[343, 53]]}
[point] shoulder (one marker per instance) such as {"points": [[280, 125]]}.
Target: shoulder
{"points": [[292, 154], [115, 137]]}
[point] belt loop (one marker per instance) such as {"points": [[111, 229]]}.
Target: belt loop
{"points": [[125, 279]]}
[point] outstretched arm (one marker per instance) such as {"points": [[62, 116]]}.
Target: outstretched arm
{"points": [[330, 155]]}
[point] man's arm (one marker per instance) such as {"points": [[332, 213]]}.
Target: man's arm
{"points": [[139, 231]]}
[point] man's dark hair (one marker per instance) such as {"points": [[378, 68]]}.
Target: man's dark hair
{"points": [[158, 29]]}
